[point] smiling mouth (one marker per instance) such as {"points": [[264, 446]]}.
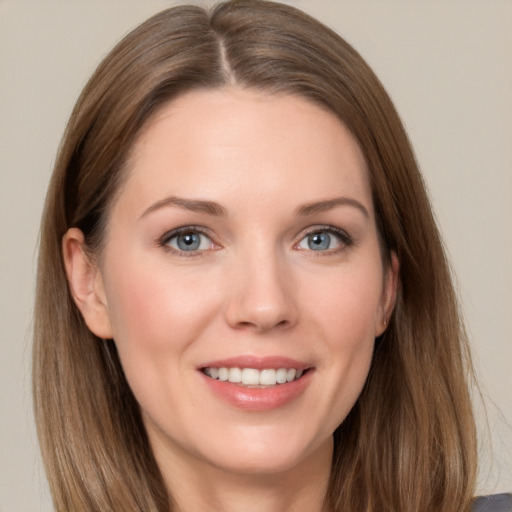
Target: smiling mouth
{"points": [[251, 377]]}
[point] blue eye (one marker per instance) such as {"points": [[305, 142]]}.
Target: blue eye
{"points": [[319, 241], [188, 241], [324, 240]]}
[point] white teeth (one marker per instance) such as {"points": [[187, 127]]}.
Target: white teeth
{"points": [[281, 375], [291, 374], [250, 377], [253, 377], [268, 377], [235, 375]]}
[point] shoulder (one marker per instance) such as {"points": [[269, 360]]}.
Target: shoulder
{"points": [[493, 503]]}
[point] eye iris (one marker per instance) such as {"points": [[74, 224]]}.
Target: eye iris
{"points": [[189, 241], [319, 241]]}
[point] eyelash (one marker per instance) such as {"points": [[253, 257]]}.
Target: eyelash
{"points": [[167, 237], [345, 240]]}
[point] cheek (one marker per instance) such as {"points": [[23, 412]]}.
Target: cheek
{"points": [[346, 316], [157, 315], [350, 307], [153, 309]]}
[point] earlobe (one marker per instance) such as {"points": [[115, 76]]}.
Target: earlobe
{"points": [[86, 284], [389, 292]]}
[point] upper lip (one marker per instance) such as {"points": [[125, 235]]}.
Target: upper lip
{"points": [[258, 363]]}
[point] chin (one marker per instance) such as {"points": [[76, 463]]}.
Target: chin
{"points": [[266, 455]]}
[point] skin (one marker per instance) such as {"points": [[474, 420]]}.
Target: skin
{"points": [[255, 287]]}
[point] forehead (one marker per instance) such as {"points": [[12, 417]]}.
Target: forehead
{"points": [[229, 142]]}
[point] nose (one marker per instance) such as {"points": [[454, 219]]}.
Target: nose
{"points": [[262, 294]]}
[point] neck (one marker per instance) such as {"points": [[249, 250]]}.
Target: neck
{"points": [[200, 487]]}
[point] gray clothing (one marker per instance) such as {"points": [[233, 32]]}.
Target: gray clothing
{"points": [[494, 503]]}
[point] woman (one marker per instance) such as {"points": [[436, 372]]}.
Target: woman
{"points": [[242, 298]]}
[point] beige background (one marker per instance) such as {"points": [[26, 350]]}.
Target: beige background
{"points": [[446, 63]]}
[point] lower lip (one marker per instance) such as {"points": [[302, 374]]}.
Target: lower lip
{"points": [[259, 399]]}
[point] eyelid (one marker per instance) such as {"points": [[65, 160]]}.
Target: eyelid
{"points": [[163, 241], [345, 239], [183, 229]]}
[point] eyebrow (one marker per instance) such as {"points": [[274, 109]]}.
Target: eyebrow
{"points": [[213, 208], [329, 204], [195, 205]]}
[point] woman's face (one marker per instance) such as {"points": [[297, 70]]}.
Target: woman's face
{"points": [[243, 245]]}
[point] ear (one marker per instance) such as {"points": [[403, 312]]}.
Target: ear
{"points": [[389, 293], [86, 284]]}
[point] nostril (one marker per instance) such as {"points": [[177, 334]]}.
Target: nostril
{"points": [[246, 325], [262, 326]]}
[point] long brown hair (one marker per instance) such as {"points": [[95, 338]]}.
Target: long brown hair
{"points": [[408, 445]]}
